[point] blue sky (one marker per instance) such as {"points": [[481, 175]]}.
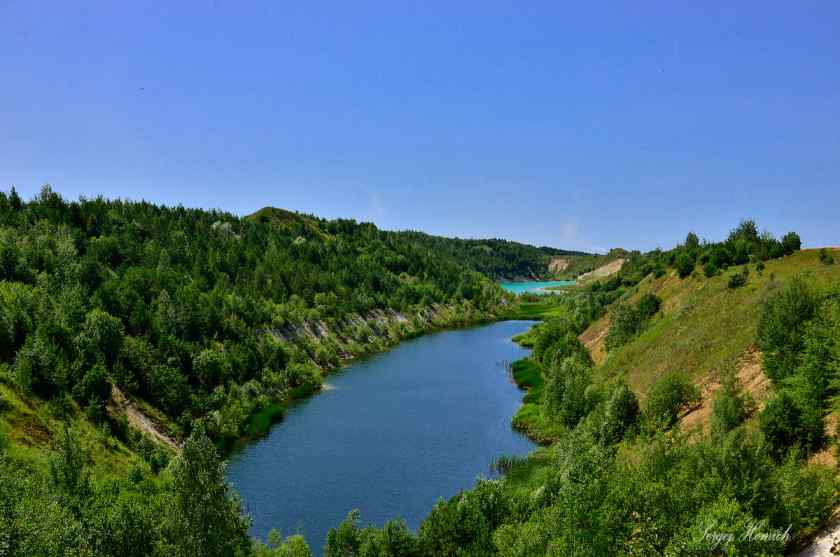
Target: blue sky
{"points": [[583, 125]]}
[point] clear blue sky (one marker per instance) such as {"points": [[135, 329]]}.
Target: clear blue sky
{"points": [[581, 125]]}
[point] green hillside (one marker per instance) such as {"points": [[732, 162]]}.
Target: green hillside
{"points": [[665, 431], [498, 259], [691, 391]]}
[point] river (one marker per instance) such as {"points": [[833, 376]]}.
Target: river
{"points": [[389, 435]]}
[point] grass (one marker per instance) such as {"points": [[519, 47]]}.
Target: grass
{"points": [[547, 307], [260, 422], [704, 327], [31, 426]]}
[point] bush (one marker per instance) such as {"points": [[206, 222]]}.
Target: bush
{"points": [[648, 306], [669, 395], [565, 397], [626, 320], [620, 414], [94, 386], [710, 269], [738, 280], [791, 243], [731, 406], [781, 327], [788, 421], [684, 264], [303, 379], [825, 257]]}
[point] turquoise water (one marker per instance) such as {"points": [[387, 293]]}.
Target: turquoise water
{"points": [[535, 286], [391, 435]]}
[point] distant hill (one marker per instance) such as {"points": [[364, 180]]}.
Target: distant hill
{"points": [[496, 258]]}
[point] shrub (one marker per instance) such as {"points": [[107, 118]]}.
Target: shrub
{"points": [[628, 320], [738, 280], [684, 264], [565, 397], [669, 395], [787, 422], [625, 322], [648, 305], [781, 327], [791, 243], [620, 414], [710, 269], [94, 386], [825, 257], [211, 367], [731, 406], [303, 379]]}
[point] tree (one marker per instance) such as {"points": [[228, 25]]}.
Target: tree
{"points": [[788, 421], [207, 514], [211, 367], [730, 407], [791, 243], [684, 264], [100, 338], [692, 242], [648, 306], [781, 327], [737, 280], [565, 394], [69, 472], [669, 395], [620, 414]]}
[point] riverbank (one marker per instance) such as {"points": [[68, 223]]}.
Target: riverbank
{"points": [[398, 431], [334, 346]]}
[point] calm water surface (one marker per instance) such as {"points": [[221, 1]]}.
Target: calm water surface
{"points": [[390, 436], [534, 286]]}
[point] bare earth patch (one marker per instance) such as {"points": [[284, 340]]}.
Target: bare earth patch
{"points": [[604, 270], [558, 265], [594, 339], [827, 541], [752, 380], [119, 403]]}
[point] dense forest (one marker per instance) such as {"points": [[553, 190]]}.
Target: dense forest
{"points": [[180, 307], [495, 258]]}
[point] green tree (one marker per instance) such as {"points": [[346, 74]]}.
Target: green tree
{"points": [[207, 514], [100, 338], [788, 421], [684, 264], [781, 327], [621, 413], [791, 243], [668, 396], [730, 406]]}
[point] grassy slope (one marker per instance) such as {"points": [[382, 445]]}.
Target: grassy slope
{"points": [[31, 427], [704, 326]]}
